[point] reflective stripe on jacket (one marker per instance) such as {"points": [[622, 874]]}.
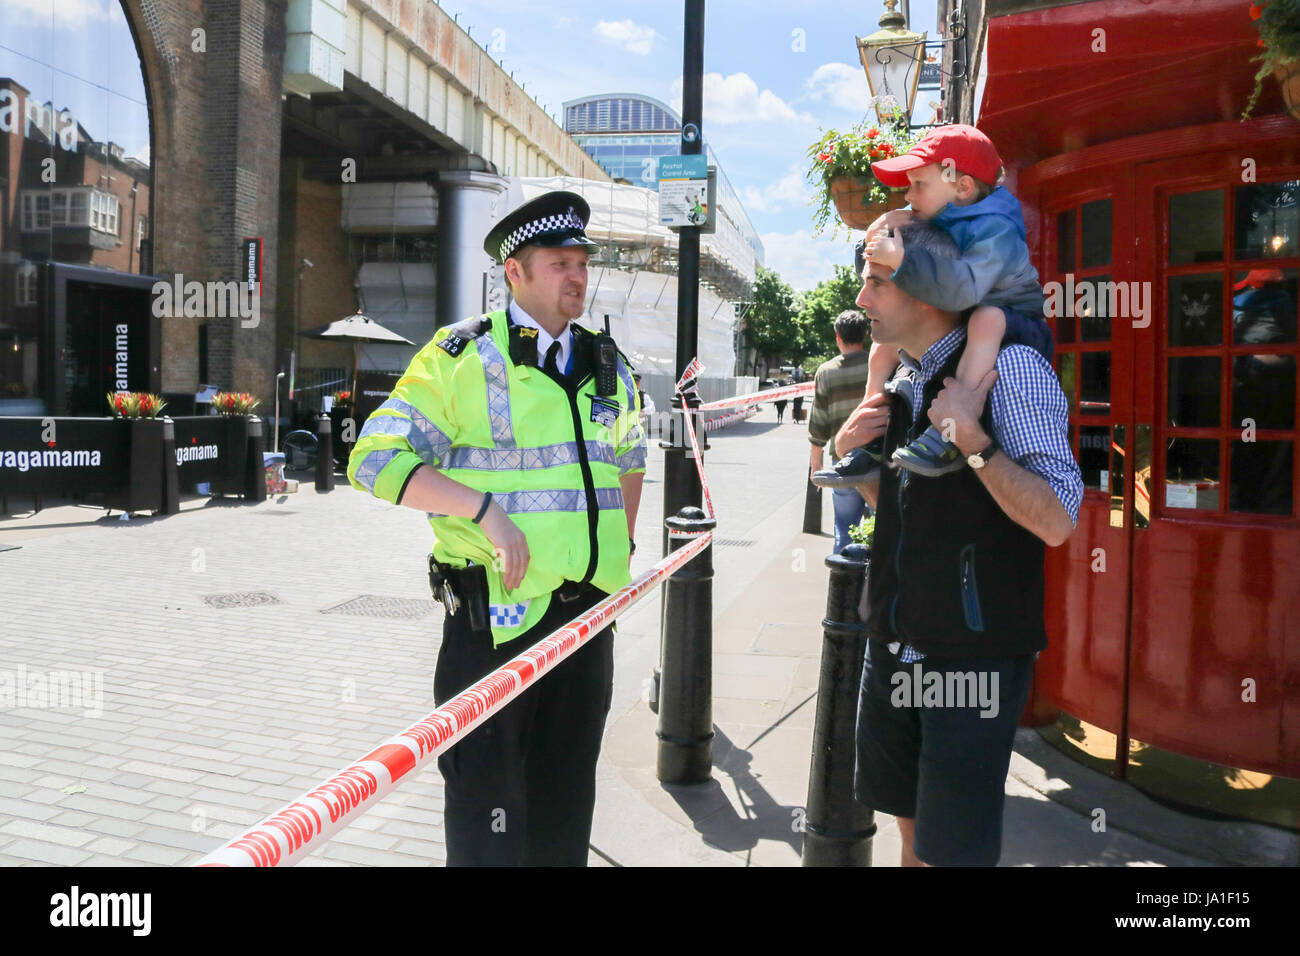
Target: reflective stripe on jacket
{"points": [[547, 454]]}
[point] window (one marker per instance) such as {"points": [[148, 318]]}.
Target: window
{"points": [[25, 284], [1230, 349], [1083, 307], [141, 230], [59, 207], [79, 208], [103, 212]]}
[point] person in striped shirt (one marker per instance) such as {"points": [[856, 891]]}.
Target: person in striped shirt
{"points": [[839, 387]]}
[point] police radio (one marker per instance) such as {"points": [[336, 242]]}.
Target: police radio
{"points": [[606, 365]]}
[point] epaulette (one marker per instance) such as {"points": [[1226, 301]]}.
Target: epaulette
{"points": [[462, 333]]}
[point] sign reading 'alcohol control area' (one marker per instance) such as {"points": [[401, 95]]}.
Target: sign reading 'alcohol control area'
{"points": [[683, 190]]}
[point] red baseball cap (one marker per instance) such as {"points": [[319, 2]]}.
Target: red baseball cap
{"points": [[970, 151], [1256, 278]]}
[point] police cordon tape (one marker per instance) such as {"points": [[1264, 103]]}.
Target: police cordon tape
{"points": [[297, 829], [771, 395], [723, 421]]}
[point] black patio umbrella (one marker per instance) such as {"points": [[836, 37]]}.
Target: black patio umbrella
{"points": [[357, 329]]}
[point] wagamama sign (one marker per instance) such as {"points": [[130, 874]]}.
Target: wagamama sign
{"points": [[120, 357]]}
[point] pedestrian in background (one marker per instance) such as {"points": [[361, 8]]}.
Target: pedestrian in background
{"points": [[838, 388], [780, 405]]}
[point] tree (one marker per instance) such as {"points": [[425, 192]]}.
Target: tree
{"points": [[821, 307], [771, 322]]}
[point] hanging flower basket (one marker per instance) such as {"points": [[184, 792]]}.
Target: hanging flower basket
{"points": [[856, 201], [1278, 24], [839, 169], [1288, 77]]}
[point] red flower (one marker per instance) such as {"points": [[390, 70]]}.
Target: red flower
{"points": [[887, 149], [824, 157], [875, 153], [873, 133], [1256, 11]]}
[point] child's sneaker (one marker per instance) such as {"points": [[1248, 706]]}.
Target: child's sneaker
{"points": [[854, 468], [930, 455]]}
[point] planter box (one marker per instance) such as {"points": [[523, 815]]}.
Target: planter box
{"points": [[342, 449], [234, 482], [852, 201], [142, 449]]}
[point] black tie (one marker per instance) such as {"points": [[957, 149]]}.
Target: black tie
{"points": [[552, 357]]}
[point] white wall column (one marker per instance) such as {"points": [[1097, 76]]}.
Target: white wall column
{"points": [[469, 205]]}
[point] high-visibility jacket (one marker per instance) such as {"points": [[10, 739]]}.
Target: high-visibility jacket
{"points": [[551, 456]]}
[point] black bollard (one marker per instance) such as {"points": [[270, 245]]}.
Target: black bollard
{"points": [[839, 828], [812, 509], [686, 679], [324, 454], [171, 488], [255, 473]]}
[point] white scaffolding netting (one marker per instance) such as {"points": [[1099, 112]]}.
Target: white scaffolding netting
{"points": [[642, 304], [629, 216]]}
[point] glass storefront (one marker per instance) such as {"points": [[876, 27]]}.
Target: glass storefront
{"points": [[75, 185]]}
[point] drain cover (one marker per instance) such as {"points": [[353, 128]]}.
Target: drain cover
{"points": [[734, 542], [241, 599], [374, 605], [278, 511]]}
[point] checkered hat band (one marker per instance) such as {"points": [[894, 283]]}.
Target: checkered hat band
{"points": [[567, 220]]}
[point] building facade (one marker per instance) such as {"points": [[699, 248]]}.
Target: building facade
{"points": [[1167, 234], [626, 133], [327, 155]]}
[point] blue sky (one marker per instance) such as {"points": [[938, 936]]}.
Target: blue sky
{"points": [[768, 88]]}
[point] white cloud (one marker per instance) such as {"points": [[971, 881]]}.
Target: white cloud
{"points": [[792, 189], [839, 85], [628, 34], [803, 260], [737, 99]]}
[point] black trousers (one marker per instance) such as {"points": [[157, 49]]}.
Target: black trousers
{"points": [[521, 788]]}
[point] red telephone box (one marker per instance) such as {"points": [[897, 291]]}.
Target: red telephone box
{"points": [[1167, 235]]}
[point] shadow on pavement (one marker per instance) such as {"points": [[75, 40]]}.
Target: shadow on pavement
{"points": [[715, 816]]}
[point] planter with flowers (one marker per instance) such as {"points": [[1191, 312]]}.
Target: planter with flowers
{"points": [[246, 446], [340, 413], [840, 166], [1278, 23], [142, 450]]}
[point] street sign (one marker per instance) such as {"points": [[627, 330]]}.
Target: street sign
{"points": [[683, 190]]}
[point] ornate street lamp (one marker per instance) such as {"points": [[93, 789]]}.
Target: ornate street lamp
{"points": [[892, 57]]}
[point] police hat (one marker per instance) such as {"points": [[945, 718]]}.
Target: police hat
{"points": [[552, 219]]}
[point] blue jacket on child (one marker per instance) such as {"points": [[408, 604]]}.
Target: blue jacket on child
{"points": [[994, 268]]}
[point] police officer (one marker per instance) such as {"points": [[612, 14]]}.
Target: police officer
{"points": [[518, 433]]}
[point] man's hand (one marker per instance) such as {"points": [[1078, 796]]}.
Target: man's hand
{"points": [[885, 250], [510, 544], [867, 423], [956, 411]]}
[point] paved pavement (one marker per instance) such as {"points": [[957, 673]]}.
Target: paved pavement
{"points": [[248, 651]]}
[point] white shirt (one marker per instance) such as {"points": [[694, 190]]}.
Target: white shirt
{"points": [[544, 338]]}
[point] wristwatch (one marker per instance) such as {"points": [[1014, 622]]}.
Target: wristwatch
{"points": [[981, 458]]}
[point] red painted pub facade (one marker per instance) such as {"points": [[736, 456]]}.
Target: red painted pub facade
{"points": [[1173, 230]]}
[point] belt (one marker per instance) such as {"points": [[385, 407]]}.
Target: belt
{"points": [[571, 591]]}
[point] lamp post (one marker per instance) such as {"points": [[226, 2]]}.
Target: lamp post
{"points": [[892, 58]]}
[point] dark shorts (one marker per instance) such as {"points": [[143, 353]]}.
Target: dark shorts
{"points": [[934, 761], [1029, 330]]}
